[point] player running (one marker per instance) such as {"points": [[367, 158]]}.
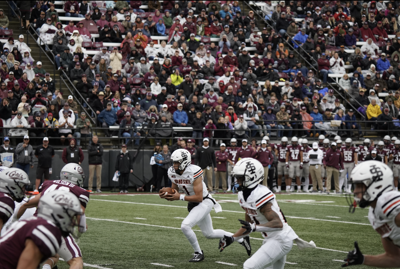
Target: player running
{"points": [[30, 242], [71, 180], [188, 178], [12, 188], [373, 187], [262, 215]]}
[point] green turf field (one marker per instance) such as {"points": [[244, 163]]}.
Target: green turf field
{"points": [[138, 231]]}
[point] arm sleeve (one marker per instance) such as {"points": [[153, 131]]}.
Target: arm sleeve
{"points": [[81, 156]]}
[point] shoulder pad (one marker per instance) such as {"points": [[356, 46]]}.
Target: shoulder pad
{"points": [[388, 204]]}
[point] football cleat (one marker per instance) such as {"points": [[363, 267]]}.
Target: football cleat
{"points": [[197, 257], [246, 244]]}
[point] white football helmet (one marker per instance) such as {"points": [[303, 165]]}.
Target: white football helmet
{"points": [[321, 137], [339, 141], [284, 139], [250, 171], [61, 208], [265, 138], [377, 178], [386, 137], [294, 140], [349, 140], [305, 141], [397, 144], [394, 138], [183, 157], [233, 140], [13, 182], [337, 138], [73, 173], [367, 141]]}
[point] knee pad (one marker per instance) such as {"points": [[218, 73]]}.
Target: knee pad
{"points": [[185, 228]]}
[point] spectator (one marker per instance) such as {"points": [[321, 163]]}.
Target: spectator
{"points": [[324, 66], [221, 157], [382, 64], [20, 126], [37, 128], [24, 155], [123, 167], [373, 111], [95, 152], [66, 125], [107, 118], [148, 102], [128, 129], [52, 125], [369, 46], [44, 154], [164, 126], [240, 127], [83, 128], [385, 122], [72, 154], [317, 118], [139, 115], [115, 60], [337, 65], [180, 116], [71, 9], [283, 122], [163, 159], [206, 160], [6, 148]]}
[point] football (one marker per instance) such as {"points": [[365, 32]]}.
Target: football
{"points": [[166, 191]]}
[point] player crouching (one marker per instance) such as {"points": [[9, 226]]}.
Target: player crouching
{"points": [[262, 215], [373, 187], [188, 178]]}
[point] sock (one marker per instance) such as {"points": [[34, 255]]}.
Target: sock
{"points": [[299, 187], [279, 188], [191, 236], [341, 182], [229, 182], [306, 183], [287, 188], [46, 266]]}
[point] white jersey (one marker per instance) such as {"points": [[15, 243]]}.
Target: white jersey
{"points": [[382, 218], [185, 181], [259, 197]]}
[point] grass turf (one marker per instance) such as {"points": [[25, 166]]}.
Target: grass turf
{"points": [[120, 234]]}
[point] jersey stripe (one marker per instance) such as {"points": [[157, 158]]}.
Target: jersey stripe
{"points": [[263, 197], [49, 235], [45, 240], [388, 202], [267, 199], [387, 215], [391, 205], [6, 209], [71, 244], [198, 173], [84, 197]]}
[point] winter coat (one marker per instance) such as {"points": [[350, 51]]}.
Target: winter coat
{"points": [[124, 163], [24, 155], [116, 62]]}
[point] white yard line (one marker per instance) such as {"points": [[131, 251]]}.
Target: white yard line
{"points": [[179, 218], [161, 264], [338, 260], [291, 263], [175, 228], [218, 218], [141, 218], [226, 263], [230, 211], [333, 217], [91, 265]]}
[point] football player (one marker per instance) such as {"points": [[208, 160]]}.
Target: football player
{"points": [[373, 188], [12, 188], [188, 178], [280, 153], [364, 150], [294, 155], [350, 160], [321, 139], [306, 165], [388, 147], [71, 180], [324, 148], [31, 241], [380, 150], [262, 215], [232, 150], [395, 156]]}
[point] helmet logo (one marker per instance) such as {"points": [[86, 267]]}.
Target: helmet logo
{"points": [[184, 155], [250, 167], [79, 170], [376, 173], [15, 175], [64, 200]]}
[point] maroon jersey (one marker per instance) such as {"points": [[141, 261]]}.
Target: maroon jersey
{"points": [[305, 154], [294, 153], [245, 153], [81, 194], [281, 153], [388, 148], [264, 156], [396, 155], [232, 153], [348, 154], [382, 153], [45, 235], [222, 159], [363, 152], [192, 151], [7, 206], [324, 150]]}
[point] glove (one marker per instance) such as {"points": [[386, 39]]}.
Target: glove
{"points": [[355, 257], [250, 227], [287, 165], [224, 242], [301, 166]]}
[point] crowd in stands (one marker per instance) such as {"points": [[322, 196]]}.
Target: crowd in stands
{"points": [[209, 66]]}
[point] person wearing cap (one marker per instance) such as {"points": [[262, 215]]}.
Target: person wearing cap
{"points": [[324, 67], [139, 115], [231, 59], [37, 128], [115, 60], [385, 121], [282, 24], [83, 128], [128, 129], [19, 125], [315, 156], [76, 73], [383, 63], [124, 166], [205, 158], [7, 150], [106, 118], [72, 9], [72, 154], [369, 46], [47, 31], [333, 163], [44, 154], [266, 158], [24, 155], [221, 157], [52, 125]]}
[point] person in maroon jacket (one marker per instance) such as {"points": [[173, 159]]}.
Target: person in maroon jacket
{"points": [[171, 103], [114, 83], [333, 163], [221, 157], [191, 149], [245, 151], [231, 59], [232, 150], [264, 155], [190, 25], [219, 68], [324, 67], [176, 60]]}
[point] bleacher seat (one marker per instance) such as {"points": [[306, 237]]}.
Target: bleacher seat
{"points": [[98, 45], [87, 44]]}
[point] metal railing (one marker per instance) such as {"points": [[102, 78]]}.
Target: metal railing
{"points": [[344, 98], [85, 106]]}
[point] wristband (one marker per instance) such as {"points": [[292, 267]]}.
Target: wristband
{"points": [[287, 163], [182, 197], [301, 163]]}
